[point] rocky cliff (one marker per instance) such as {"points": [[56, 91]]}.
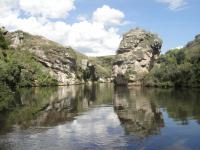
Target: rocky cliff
{"points": [[62, 63], [135, 57], [58, 60]]}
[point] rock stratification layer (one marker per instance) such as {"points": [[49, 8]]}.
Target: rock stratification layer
{"points": [[135, 57]]}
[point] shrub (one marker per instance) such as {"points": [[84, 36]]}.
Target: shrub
{"points": [[3, 42], [176, 68]]}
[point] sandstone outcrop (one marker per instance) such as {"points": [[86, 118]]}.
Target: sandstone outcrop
{"points": [[135, 57]]}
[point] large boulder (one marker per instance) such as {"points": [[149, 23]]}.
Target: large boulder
{"points": [[135, 57]]}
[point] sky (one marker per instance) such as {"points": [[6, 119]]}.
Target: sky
{"points": [[96, 27]]}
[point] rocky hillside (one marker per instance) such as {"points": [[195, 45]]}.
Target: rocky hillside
{"points": [[29, 60], [62, 64], [135, 57], [178, 67], [104, 63]]}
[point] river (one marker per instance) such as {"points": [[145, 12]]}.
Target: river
{"points": [[101, 116]]}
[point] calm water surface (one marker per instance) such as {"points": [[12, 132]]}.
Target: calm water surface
{"points": [[100, 116]]}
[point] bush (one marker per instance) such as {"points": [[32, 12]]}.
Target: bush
{"points": [[3, 42], [22, 70], [176, 68]]}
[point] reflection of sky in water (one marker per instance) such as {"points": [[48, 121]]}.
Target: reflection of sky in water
{"points": [[97, 128], [104, 126]]}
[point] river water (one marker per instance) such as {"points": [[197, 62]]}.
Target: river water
{"points": [[100, 116]]}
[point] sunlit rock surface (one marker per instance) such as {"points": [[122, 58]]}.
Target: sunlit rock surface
{"points": [[135, 57]]}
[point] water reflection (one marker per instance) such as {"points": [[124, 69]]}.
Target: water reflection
{"points": [[52, 106], [181, 104], [68, 102], [136, 112], [99, 116]]}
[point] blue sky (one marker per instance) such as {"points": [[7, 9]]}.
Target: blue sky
{"points": [[175, 27], [95, 27]]}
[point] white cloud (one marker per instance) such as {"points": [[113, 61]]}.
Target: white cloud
{"points": [[47, 8], [8, 3], [174, 4], [108, 15], [90, 36], [81, 18], [8, 7], [178, 47]]}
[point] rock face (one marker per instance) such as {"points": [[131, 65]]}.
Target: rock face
{"points": [[88, 71], [58, 61], [195, 42], [17, 39], [135, 57]]}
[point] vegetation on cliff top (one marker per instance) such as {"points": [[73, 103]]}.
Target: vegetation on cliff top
{"points": [[178, 67], [105, 62], [18, 69], [31, 41]]}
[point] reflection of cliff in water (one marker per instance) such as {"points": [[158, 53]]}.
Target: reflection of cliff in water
{"points": [[52, 106], [68, 102], [136, 112], [182, 105]]}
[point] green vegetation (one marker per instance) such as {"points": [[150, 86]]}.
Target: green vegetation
{"points": [[178, 67], [46, 45], [101, 70], [6, 97], [3, 41], [32, 104], [104, 65], [180, 104], [34, 100], [19, 69]]}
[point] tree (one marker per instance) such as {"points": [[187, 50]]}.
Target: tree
{"points": [[3, 42]]}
